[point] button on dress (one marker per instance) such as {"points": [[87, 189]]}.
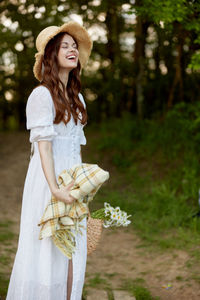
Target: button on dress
{"points": [[40, 270]]}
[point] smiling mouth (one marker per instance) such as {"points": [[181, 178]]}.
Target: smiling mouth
{"points": [[71, 57]]}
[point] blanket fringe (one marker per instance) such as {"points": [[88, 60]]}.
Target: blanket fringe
{"points": [[65, 241]]}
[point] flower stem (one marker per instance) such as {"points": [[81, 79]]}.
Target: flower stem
{"points": [[99, 214]]}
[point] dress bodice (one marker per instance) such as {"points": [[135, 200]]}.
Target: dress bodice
{"points": [[40, 112], [66, 138]]}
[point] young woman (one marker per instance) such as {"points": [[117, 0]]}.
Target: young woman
{"points": [[56, 114]]}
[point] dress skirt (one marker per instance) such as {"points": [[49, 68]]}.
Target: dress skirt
{"points": [[40, 270]]}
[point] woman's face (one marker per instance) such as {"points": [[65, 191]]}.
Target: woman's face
{"points": [[68, 53]]}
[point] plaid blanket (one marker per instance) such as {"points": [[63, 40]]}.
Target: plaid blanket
{"points": [[60, 220]]}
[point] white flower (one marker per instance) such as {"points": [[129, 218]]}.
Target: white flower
{"points": [[124, 214], [111, 210], [106, 225], [119, 219], [127, 223], [107, 213], [114, 215], [117, 209], [106, 205]]}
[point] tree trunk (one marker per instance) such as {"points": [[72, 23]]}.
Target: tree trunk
{"points": [[114, 23], [139, 57], [139, 87], [178, 77]]}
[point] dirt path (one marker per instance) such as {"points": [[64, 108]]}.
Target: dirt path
{"points": [[119, 257]]}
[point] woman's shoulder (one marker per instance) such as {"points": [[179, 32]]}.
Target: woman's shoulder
{"points": [[40, 95], [39, 107], [40, 90]]}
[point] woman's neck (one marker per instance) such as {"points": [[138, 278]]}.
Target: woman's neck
{"points": [[64, 75]]}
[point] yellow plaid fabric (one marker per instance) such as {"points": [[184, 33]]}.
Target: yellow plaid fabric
{"points": [[59, 218]]}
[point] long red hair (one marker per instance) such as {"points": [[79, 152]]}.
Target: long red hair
{"points": [[53, 83]]}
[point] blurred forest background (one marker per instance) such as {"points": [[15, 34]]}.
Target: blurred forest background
{"points": [[142, 90], [145, 59]]}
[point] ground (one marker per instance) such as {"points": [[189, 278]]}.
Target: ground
{"points": [[121, 259]]}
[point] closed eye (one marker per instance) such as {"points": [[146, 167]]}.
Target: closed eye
{"points": [[66, 45]]}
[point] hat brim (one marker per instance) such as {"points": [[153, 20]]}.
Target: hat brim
{"points": [[79, 33]]}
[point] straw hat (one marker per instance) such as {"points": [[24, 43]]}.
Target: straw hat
{"points": [[78, 32]]}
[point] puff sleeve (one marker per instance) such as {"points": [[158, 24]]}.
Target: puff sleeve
{"points": [[83, 140], [40, 115]]}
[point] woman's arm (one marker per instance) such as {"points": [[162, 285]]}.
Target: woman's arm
{"points": [[46, 156]]}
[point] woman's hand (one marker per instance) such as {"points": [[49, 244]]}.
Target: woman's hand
{"points": [[63, 194]]}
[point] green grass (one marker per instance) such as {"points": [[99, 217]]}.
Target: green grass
{"points": [[155, 174], [6, 239], [138, 289], [84, 294], [6, 233], [135, 287], [4, 259], [179, 278], [196, 277], [97, 281], [111, 275], [4, 280], [110, 295]]}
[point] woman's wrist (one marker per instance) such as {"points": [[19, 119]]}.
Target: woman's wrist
{"points": [[54, 190]]}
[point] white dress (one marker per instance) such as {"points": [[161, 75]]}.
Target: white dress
{"points": [[40, 270]]}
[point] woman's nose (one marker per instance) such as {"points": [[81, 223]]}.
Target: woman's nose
{"points": [[71, 48]]}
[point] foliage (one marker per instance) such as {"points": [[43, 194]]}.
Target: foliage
{"points": [[168, 70], [167, 11], [195, 61], [157, 173]]}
